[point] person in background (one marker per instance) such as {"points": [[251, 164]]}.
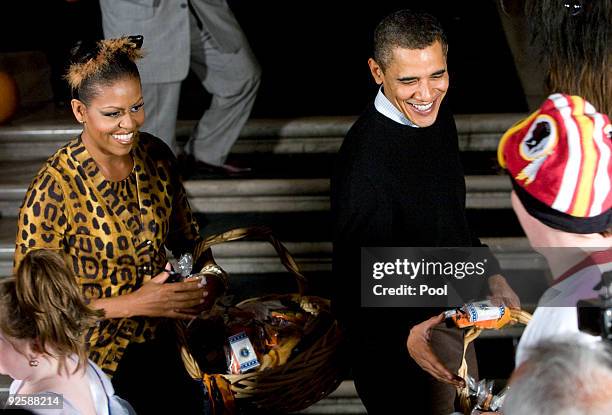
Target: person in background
{"points": [[111, 200], [573, 37], [202, 35], [562, 376], [42, 320]]}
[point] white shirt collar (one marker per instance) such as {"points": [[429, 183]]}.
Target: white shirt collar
{"points": [[386, 108]]}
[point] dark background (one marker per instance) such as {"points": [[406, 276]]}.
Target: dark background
{"points": [[313, 53]]}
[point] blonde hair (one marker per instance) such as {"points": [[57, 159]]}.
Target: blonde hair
{"points": [[42, 302]]}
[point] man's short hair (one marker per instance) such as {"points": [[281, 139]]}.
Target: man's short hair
{"points": [[406, 29], [564, 377]]}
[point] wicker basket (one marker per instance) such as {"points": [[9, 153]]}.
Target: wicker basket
{"points": [[304, 379]]}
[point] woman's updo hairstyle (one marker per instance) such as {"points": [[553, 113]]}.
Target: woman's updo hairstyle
{"points": [[99, 63], [42, 302]]}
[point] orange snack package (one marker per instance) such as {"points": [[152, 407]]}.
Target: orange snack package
{"points": [[481, 314]]}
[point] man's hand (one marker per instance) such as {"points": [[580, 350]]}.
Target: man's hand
{"points": [[420, 350], [501, 292]]}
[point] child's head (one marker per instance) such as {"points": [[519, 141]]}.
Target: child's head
{"points": [[559, 160], [42, 315]]}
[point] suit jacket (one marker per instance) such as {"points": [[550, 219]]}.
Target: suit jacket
{"points": [[70, 206], [165, 25]]}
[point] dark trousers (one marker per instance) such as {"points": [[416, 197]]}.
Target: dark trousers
{"points": [[388, 381], [152, 378]]}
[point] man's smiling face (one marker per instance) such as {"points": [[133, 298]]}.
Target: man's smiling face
{"points": [[415, 81]]}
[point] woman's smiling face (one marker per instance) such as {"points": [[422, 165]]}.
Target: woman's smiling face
{"points": [[112, 117]]}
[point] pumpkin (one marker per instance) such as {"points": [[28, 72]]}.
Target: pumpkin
{"points": [[9, 97]]}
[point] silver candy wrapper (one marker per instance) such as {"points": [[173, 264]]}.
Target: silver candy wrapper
{"points": [[184, 265], [483, 392]]}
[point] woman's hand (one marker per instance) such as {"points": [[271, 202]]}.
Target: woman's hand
{"points": [[420, 350], [156, 298], [183, 300]]}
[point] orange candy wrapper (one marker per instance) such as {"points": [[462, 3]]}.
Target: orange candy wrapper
{"points": [[481, 314]]}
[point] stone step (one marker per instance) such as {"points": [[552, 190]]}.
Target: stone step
{"points": [[258, 257], [317, 225], [275, 195], [256, 269], [343, 400], [33, 139], [298, 195], [24, 145]]}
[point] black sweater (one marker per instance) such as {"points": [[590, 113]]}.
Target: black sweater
{"points": [[395, 185]]}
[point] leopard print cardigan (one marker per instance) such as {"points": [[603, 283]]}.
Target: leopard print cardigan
{"points": [[72, 207]]}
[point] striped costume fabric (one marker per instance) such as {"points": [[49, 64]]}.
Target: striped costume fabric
{"points": [[561, 156]]}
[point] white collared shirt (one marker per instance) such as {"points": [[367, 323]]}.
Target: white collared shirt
{"points": [[386, 108]]}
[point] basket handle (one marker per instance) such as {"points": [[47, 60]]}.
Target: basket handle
{"points": [[257, 232]]}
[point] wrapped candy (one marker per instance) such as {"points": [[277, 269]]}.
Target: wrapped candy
{"points": [[481, 314], [181, 268], [482, 391], [267, 334], [243, 357], [184, 265]]}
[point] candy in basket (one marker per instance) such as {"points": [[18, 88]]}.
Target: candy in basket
{"points": [[278, 353]]}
